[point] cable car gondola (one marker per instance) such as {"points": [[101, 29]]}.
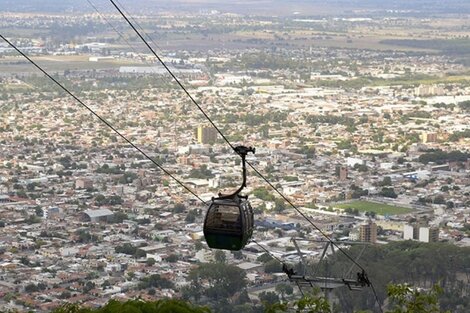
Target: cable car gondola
{"points": [[229, 220]]}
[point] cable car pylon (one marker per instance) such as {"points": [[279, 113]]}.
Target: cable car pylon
{"points": [[306, 280], [229, 219]]}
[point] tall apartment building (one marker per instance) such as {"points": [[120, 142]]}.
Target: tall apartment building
{"points": [[368, 232], [343, 173], [428, 234], [206, 135], [429, 90], [421, 233], [410, 232], [429, 137]]}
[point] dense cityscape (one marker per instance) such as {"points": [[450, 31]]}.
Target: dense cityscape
{"points": [[360, 119]]}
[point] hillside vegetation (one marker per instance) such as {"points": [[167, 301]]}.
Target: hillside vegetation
{"points": [[419, 264]]}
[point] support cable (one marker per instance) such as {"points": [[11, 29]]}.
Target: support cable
{"points": [[138, 25], [171, 74], [121, 35], [104, 121], [111, 25], [228, 142], [267, 251]]}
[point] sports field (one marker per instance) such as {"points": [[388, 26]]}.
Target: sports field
{"points": [[379, 208]]}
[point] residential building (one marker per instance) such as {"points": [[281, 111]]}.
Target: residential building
{"points": [[428, 234], [343, 173], [206, 135], [420, 233], [368, 232]]}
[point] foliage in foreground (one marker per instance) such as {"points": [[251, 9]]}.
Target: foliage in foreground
{"points": [[409, 300], [310, 303], [417, 263], [137, 306], [403, 299]]}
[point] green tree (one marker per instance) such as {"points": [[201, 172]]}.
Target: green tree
{"points": [[264, 258], [387, 181], [155, 281], [263, 194], [388, 192], [127, 178], [88, 286], [313, 303], [220, 256], [126, 248], [408, 300], [25, 261], [237, 255], [100, 200], [179, 208], [84, 236], [216, 281], [150, 262], [137, 306], [114, 200], [268, 298], [279, 205], [39, 212], [172, 258], [284, 289], [198, 245], [273, 266], [65, 295], [416, 263], [202, 172], [191, 216], [118, 217]]}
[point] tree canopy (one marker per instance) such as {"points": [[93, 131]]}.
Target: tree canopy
{"points": [[403, 299], [137, 306], [215, 281], [420, 264]]}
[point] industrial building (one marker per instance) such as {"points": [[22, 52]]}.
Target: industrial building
{"points": [[100, 215]]}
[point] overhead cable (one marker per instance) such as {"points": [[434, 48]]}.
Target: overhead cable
{"points": [[229, 143], [225, 138], [104, 121], [110, 24]]}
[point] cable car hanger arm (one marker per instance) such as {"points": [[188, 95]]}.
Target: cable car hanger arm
{"points": [[242, 151]]}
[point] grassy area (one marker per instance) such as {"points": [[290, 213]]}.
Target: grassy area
{"points": [[379, 208], [414, 80], [16, 87], [450, 46], [60, 63]]}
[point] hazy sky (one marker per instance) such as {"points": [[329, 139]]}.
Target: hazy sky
{"points": [[306, 7]]}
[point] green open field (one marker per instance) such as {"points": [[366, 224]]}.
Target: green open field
{"points": [[379, 208], [15, 64]]}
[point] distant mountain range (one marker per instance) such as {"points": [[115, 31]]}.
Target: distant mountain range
{"points": [[262, 7]]}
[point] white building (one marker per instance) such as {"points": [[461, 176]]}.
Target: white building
{"points": [[428, 234], [420, 233], [408, 231], [351, 162], [204, 256]]}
